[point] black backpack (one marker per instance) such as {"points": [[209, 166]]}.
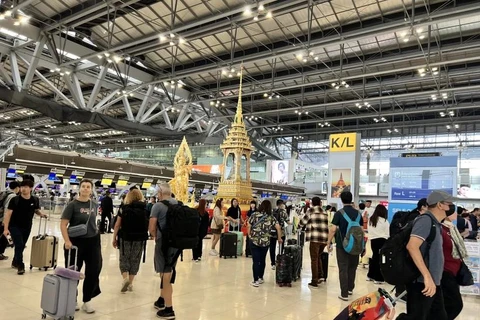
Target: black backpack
{"points": [[3, 198], [134, 222], [182, 227], [400, 221], [396, 265]]}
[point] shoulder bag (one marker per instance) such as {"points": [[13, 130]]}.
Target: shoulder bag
{"points": [[82, 229], [464, 276]]}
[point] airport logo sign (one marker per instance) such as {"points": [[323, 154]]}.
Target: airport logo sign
{"points": [[343, 142]]}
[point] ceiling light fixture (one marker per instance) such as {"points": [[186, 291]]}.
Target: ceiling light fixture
{"points": [[424, 71], [324, 124], [172, 39], [301, 112], [230, 72], [173, 84], [339, 84], [111, 57], [271, 95], [407, 35], [258, 13], [308, 55]]}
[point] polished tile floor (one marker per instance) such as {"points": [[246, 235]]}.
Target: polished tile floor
{"points": [[210, 290]]}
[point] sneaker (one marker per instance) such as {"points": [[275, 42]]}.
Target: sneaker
{"points": [[254, 284], [21, 269], [125, 284], [130, 288], [350, 293], [273, 267], [313, 285], [14, 265], [77, 307], [166, 314], [321, 280], [369, 280], [3, 257], [378, 282], [343, 298], [260, 281], [159, 304], [213, 252], [88, 308], [197, 261]]}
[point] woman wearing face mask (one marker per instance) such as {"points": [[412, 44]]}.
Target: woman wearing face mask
{"points": [[83, 211], [234, 216], [453, 251]]}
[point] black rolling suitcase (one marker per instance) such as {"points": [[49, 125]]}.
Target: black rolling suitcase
{"points": [[324, 258], [284, 269], [248, 251], [295, 251], [228, 245]]}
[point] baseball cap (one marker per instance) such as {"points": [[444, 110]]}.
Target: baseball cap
{"points": [[439, 196]]}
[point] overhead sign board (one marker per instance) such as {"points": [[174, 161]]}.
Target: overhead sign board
{"points": [[343, 142]]}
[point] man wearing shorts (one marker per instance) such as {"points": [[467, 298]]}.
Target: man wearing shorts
{"points": [[165, 258]]}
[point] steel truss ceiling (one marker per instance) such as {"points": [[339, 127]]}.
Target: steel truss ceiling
{"points": [[172, 68]]}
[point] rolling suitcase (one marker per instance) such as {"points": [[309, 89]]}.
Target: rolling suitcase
{"points": [[44, 251], [248, 251], [295, 251], [59, 295], [324, 258], [284, 269], [228, 245], [239, 234]]}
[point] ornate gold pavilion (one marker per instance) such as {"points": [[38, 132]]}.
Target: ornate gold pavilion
{"points": [[237, 149]]}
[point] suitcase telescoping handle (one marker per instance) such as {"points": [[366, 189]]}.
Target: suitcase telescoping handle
{"points": [[74, 266], [40, 235]]}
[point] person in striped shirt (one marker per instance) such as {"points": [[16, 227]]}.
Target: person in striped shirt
{"points": [[316, 222]]}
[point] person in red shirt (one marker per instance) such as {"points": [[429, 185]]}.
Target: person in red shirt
{"points": [[453, 251]]}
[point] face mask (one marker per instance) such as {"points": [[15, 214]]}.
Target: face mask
{"points": [[451, 210]]}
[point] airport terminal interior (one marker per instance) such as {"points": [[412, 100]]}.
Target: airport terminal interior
{"points": [[283, 101]]}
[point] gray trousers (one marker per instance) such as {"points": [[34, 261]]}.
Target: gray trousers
{"points": [[347, 268]]}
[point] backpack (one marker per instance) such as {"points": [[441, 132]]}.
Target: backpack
{"points": [[182, 227], [396, 265], [354, 240], [134, 223], [3, 198], [400, 221]]}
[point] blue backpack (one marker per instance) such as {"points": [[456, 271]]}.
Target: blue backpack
{"points": [[354, 241]]}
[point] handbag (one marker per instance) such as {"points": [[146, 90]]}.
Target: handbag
{"points": [[82, 229], [464, 275]]}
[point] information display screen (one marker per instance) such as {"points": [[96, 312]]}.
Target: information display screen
{"points": [[416, 183], [368, 189], [122, 183], [52, 176], [12, 173], [106, 181], [146, 185]]}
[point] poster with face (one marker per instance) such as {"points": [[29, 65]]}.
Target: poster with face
{"points": [[280, 172], [340, 181]]}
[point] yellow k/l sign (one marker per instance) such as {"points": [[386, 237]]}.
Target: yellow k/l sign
{"points": [[343, 142]]}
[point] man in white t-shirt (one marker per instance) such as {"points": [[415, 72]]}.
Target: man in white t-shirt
{"points": [[368, 207]]}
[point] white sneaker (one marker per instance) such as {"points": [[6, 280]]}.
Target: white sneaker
{"points": [[254, 284], [343, 298], [273, 267], [130, 288], [260, 281], [88, 308], [213, 252], [77, 307], [369, 280], [125, 284], [378, 282]]}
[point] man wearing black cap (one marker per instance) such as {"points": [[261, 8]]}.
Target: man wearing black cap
{"points": [[425, 297]]}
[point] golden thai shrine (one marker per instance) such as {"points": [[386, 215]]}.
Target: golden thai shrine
{"points": [[237, 149], [182, 165]]}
